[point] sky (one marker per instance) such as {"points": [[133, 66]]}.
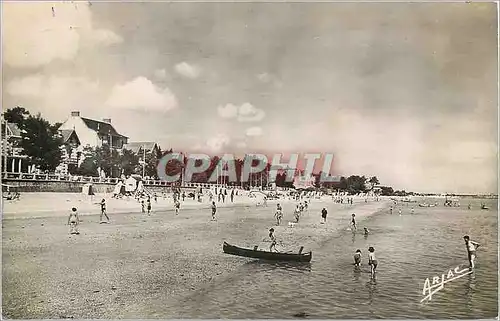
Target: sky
{"points": [[405, 92]]}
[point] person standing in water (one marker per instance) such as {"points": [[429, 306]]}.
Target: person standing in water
{"points": [[272, 237], [214, 210], [471, 250], [73, 221], [372, 261], [353, 222], [366, 231], [324, 213], [357, 258]]}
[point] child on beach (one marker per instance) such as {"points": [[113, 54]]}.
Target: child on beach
{"points": [[103, 210], [471, 250], [357, 258], [353, 222], [372, 261], [273, 240], [149, 206], [73, 221], [278, 214], [324, 213], [297, 213], [143, 206], [177, 207], [214, 210]]}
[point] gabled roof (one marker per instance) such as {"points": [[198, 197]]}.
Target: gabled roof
{"points": [[137, 146], [67, 133], [14, 130], [101, 127]]}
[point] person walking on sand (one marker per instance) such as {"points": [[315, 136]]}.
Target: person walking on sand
{"points": [[372, 261], [103, 210], [73, 221], [357, 258], [324, 213], [278, 214], [149, 206], [214, 210], [219, 196], [232, 195], [143, 207], [353, 222], [471, 250], [177, 207], [297, 214], [265, 201]]}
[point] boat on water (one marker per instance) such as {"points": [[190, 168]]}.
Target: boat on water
{"points": [[265, 255]]}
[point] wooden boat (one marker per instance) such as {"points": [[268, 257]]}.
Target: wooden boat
{"points": [[265, 255]]}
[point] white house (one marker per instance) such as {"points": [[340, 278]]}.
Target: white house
{"points": [[93, 133]]}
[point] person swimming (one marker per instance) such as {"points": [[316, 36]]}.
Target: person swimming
{"points": [[357, 258]]}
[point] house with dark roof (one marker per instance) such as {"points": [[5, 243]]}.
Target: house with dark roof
{"points": [[89, 132], [140, 147], [12, 153]]}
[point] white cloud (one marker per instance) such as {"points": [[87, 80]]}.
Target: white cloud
{"points": [[160, 74], [187, 70], [141, 93], [37, 33], [244, 113], [54, 93], [216, 143], [228, 111], [254, 131], [268, 78]]}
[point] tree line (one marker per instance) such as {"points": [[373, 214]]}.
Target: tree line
{"points": [[42, 143]]}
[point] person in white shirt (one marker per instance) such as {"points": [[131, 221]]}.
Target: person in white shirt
{"points": [[372, 261], [471, 250]]}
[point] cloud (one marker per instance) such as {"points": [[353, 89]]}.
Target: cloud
{"points": [[269, 79], [51, 94], [187, 70], [218, 142], [254, 131], [244, 113], [37, 33], [160, 74], [141, 93]]}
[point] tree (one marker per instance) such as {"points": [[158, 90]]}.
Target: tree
{"points": [[128, 161], [373, 181], [41, 142], [16, 115], [387, 191]]}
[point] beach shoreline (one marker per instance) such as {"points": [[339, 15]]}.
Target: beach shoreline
{"points": [[131, 267]]}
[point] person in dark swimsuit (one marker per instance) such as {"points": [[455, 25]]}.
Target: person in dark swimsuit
{"points": [[214, 210], [103, 210], [357, 258], [324, 213], [372, 261], [353, 222]]}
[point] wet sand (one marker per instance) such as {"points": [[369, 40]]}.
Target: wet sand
{"points": [[126, 268]]}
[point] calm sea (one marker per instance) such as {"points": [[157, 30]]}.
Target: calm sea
{"points": [[409, 249]]}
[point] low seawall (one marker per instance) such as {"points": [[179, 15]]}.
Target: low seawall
{"points": [[29, 185]]}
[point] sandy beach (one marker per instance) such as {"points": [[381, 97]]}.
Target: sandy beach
{"points": [[136, 263]]}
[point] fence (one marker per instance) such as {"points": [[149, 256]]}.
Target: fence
{"points": [[107, 180]]}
